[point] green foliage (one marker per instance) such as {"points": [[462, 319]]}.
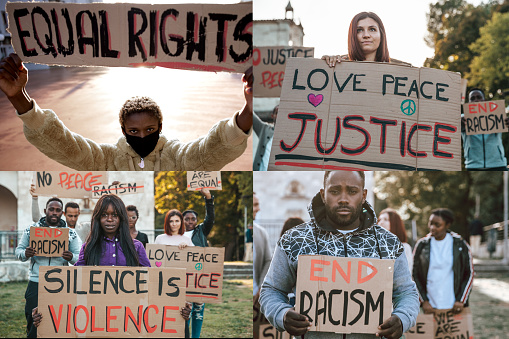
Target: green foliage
{"points": [[230, 204], [490, 68], [415, 194]]}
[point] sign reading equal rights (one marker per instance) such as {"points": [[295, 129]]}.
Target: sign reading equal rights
{"points": [[367, 116], [205, 37]]}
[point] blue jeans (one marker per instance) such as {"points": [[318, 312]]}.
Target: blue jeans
{"points": [[197, 320]]}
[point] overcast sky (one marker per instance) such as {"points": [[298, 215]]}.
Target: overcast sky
{"points": [[326, 23]]}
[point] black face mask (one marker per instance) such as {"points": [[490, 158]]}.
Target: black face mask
{"points": [[143, 146]]}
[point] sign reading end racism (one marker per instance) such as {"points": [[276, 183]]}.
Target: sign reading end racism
{"points": [[204, 269], [196, 180], [344, 295], [49, 241], [187, 36], [269, 67], [367, 116], [72, 184], [102, 301], [485, 117]]}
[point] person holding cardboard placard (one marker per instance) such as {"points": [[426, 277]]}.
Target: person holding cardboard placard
{"points": [[343, 224], [141, 147], [53, 214], [482, 152], [443, 267], [110, 243], [198, 235], [391, 221]]}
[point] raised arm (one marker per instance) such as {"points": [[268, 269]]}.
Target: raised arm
{"points": [[245, 117], [36, 214], [209, 211], [13, 79]]}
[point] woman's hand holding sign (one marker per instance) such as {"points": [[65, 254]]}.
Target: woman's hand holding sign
{"points": [[13, 79]]}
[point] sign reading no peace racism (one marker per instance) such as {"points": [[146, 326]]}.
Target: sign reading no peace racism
{"points": [[103, 301], [206, 37], [204, 269], [269, 67], [344, 295], [485, 117], [49, 241], [196, 180], [75, 184], [367, 116]]}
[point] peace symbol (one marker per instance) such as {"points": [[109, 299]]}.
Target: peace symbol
{"points": [[198, 266], [408, 107]]}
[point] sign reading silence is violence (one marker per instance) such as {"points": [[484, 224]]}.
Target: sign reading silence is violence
{"points": [[269, 67], [204, 269], [485, 117], [344, 295], [206, 37], [111, 302], [367, 116], [75, 184]]}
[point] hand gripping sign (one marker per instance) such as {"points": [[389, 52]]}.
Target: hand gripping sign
{"points": [[204, 269], [103, 301], [367, 116], [344, 295], [206, 37]]}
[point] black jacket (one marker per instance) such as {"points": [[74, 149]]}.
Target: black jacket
{"points": [[462, 267], [201, 231]]}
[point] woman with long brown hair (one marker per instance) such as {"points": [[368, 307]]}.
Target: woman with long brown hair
{"points": [[391, 221], [174, 230], [367, 41]]}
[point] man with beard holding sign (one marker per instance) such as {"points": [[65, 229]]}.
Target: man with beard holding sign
{"points": [[343, 224]]}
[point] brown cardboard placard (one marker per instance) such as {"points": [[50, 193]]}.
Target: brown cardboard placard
{"points": [[359, 288], [450, 325], [269, 67], [49, 241], [196, 180], [269, 331], [205, 37], [423, 329], [485, 117], [104, 301], [258, 319], [204, 269], [367, 116], [80, 184]]}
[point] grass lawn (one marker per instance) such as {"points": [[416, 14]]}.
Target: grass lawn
{"points": [[230, 319]]}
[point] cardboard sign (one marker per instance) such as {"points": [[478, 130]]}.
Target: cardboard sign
{"points": [[104, 301], [196, 180], [344, 295], [270, 332], [49, 241], [215, 38], [449, 325], [269, 67], [423, 329], [74, 184], [204, 269], [367, 116], [485, 117]]}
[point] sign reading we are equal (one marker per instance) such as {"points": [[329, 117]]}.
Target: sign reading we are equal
{"points": [[367, 116]]}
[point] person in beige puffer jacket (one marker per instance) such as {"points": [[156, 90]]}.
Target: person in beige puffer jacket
{"points": [[141, 148]]}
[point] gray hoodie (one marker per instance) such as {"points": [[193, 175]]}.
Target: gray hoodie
{"points": [[36, 261], [316, 237]]}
